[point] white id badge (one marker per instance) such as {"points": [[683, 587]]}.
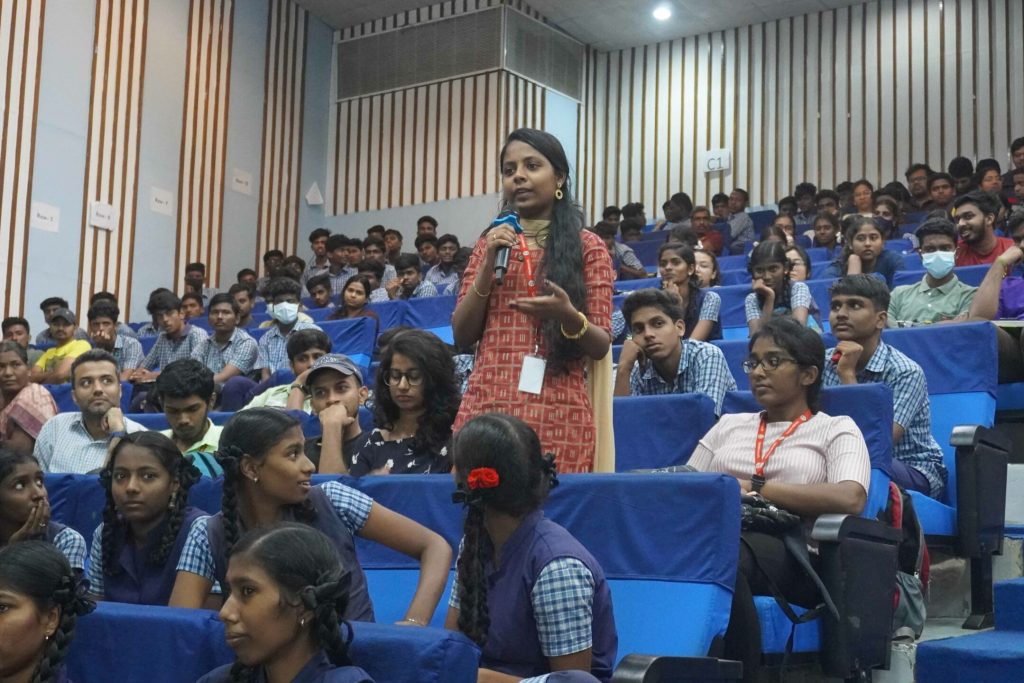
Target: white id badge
{"points": [[531, 379]]}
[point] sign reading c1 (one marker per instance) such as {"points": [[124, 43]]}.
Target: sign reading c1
{"points": [[715, 160]]}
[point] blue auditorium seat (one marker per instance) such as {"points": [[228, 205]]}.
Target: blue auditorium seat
{"points": [[632, 285], [66, 404], [115, 643], [735, 352], [647, 250], [736, 262], [912, 261], [430, 313], [158, 422], [899, 245], [659, 431], [761, 219], [969, 275], [354, 337]]}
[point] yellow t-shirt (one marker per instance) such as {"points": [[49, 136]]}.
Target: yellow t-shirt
{"points": [[51, 358]]}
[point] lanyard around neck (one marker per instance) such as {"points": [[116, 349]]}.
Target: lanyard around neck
{"points": [[761, 458]]}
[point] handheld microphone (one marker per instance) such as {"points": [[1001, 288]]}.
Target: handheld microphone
{"points": [[502, 255]]}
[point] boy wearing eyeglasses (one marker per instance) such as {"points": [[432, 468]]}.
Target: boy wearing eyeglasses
{"points": [[858, 314], [657, 360]]}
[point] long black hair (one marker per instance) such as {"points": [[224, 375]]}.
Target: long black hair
{"points": [[772, 252], [37, 570], [852, 225], [691, 312], [511, 448], [563, 248], [800, 342], [441, 395], [177, 466], [249, 433], [309, 575]]}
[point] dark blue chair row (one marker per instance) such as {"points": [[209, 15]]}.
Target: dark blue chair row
{"points": [[969, 275], [668, 545], [66, 403]]}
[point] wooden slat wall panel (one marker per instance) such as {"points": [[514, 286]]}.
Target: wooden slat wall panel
{"points": [[858, 91], [204, 137], [112, 152], [21, 42], [430, 13], [281, 168]]}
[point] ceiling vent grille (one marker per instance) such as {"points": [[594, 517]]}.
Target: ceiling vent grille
{"points": [[475, 42]]}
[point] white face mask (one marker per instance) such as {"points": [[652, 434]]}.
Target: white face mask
{"points": [[285, 313], [939, 264]]}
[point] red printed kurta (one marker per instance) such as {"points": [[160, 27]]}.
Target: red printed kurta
{"points": [[561, 414]]}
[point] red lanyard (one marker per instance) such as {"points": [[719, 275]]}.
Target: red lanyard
{"points": [[761, 458], [531, 282]]}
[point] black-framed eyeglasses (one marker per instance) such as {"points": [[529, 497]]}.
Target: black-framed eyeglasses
{"points": [[413, 377], [769, 363]]}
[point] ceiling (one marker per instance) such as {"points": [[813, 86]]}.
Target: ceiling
{"points": [[605, 24]]}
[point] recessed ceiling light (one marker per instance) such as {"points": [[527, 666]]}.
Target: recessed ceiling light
{"points": [[662, 12]]}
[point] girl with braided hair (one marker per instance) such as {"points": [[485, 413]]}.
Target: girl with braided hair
{"points": [[135, 550], [25, 509], [525, 590], [267, 479], [677, 266], [288, 591], [774, 292], [41, 598]]}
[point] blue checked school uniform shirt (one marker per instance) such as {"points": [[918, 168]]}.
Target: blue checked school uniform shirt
{"points": [[911, 409], [702, 370], [441, 281], [65, 446], [167, 351], [272, 350], [241, 351], [128, 353], [339, 279]]}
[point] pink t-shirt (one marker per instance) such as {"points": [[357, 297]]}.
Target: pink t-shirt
{"points": [[825, 449]]}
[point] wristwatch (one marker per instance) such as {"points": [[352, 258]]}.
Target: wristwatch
{"points": [[118, 435], [757, 482]]}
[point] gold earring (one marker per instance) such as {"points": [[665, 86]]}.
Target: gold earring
{"points": [[558, 192]]}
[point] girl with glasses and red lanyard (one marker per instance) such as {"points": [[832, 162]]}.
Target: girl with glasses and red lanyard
{"points": [[551, 311], [794, 456]]}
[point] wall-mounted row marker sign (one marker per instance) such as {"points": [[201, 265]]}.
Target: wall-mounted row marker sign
{"points": [[715, 160]]}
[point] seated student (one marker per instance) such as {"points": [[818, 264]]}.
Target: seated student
{"points": [[229, 351], [266, 480], [43, 598], [887, 216], [392, 245], [16, 329], [55, 363], [939, 296], [660, 360], [339, 269], [178, 338], [247, 277], [303, 348], [774, 293], [706, 267], [549, 608], [282, 296], [319, 288], [354, 300], [631, 229], [701, 224], [195, 283], [1017, 175], [272, 262], [285, 625], [975, 220], [333, 386], [77, 443], [426, 247], [104, 331], [108, 297], [24, 405], [625, 262], [186, 391], [415, 404], [799, 263], [293, 267], [136, 548], [317, 264], [1001, 297], [409, 284], [25, 509], [192, 305], [443, 273], [373, 250], [677, 267], [864, 251], [460, 264], [859, 312], [354, 253], [48, 307], [827, 234], [813, 464], [244, 298]]}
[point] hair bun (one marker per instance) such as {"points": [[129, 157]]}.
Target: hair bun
{"points": [[550, 469], [188, 473], [228, 457], [72, 595]]}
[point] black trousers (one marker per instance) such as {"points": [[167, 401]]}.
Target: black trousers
{"points": [[774, 562]]}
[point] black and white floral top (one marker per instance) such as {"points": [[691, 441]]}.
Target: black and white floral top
{"points": [[398, 457]]}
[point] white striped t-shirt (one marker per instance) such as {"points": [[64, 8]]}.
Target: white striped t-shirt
{"points": [[824, 449]]}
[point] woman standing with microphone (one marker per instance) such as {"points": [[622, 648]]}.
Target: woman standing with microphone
{"points": [[551, 312]]}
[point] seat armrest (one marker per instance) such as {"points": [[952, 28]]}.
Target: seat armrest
{"points": [[835, 528], [982, 455], [662, 669]]}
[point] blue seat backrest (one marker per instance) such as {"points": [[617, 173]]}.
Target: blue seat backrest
{"points": [[960, 364], [390, 313], [431, 312], [115, 643], [66, 403], [735, 352], [735, 277], [147, 343], [156, 422], [734, 262], [633, 285], [901, 246], [725, 230], [761, 219], [647, 250], [659, 431], [354, 337], [319, 314], [912, 261], [969, 275]]}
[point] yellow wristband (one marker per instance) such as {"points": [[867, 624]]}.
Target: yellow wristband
{"points": [[583, 330]]}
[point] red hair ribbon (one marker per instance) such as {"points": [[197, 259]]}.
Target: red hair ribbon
{"points": [[483, 478]]}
